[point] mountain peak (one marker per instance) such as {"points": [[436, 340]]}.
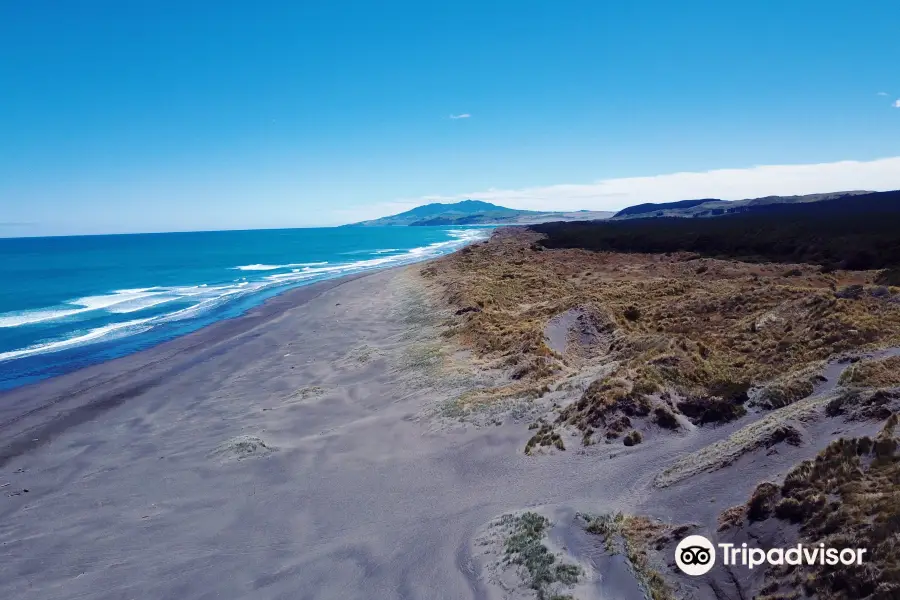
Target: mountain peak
{"points": [[468, 206], [474, 212]]}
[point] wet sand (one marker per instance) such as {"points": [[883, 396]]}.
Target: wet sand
{"points": [[288, 454]]}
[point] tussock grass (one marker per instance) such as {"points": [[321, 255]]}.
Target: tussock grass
{"points": [[883, 372], [856, 404], [634, 536], [847, 497], [670, 326], [790, 387], [545, 436], [774, 428], [633, 438]]}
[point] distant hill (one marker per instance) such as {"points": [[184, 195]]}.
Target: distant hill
{"points": [[650, 207], [713, 207], [849, 231], [476, 212]]}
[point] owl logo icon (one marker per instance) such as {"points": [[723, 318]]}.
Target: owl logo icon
{"points": [[695, 555]]}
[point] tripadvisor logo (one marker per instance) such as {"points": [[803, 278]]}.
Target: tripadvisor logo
{"points": [[696, 555]]}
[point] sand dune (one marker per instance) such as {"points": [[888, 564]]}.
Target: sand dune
{"points": [[292, 453]]}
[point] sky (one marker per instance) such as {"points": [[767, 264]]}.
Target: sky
{"points": [[171, 116]]}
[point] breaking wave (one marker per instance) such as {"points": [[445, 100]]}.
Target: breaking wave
{"points": [[127, 312]]}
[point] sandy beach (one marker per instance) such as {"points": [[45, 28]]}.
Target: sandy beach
{"points": [[298, 452]]}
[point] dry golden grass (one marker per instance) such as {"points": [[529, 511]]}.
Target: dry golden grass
{"points": [[772, 429], [700, 329], [846, 498], [856, 404], [790, 387], [881, 373], [732, 517], [640, 539]]}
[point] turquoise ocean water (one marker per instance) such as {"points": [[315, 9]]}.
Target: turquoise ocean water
{"points": [[68, 302]]}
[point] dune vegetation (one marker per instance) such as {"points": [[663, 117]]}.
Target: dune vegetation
{"points": [[640, 540], [846, 497], [687, 339], [882, 372]]}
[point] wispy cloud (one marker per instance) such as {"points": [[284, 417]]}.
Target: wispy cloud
{"points": [[882, 93], [728, 184], [462, 116]]}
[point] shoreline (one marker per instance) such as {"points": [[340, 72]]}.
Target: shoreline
{"points": [[51, 336], [318, 444], [25, 422]]}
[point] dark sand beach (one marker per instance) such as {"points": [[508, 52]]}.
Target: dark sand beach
{"points": [[304, 451]]}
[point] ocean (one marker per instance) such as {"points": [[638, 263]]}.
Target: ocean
{"points": [[68, 302]]}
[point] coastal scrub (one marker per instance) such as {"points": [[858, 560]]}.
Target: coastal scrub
{"points": [[691, 337]]}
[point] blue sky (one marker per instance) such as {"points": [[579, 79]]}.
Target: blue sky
{"points": [[152, 116]]}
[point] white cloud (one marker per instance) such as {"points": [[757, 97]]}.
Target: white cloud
{"points": [[462, 116], [896, 103], [728, 184], [882, 93]]}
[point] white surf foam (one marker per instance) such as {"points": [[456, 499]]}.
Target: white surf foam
{"points": [[141, 304], [107, 332], [220, 295], [36, 316], [459, 238], [275, 267], [108, 300], [206, 297], [85, 305]]}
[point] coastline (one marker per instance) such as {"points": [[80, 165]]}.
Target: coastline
{"points": [[32, 415], [290, 450], [319, 445], [90, 312]]}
